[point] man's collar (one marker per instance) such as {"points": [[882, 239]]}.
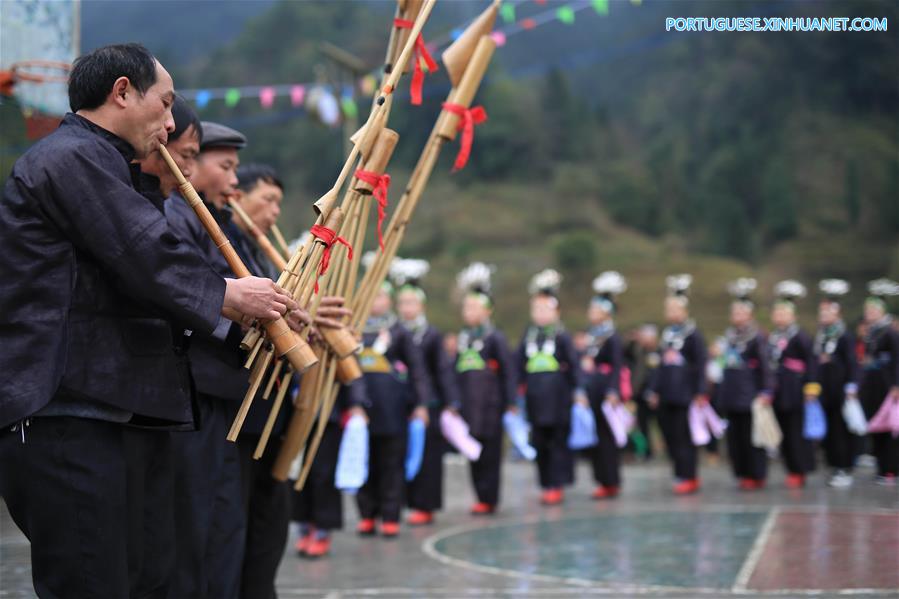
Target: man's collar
{"points": [[124, 148]]}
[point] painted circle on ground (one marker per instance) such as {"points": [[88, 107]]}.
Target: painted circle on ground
{"points": [[654, 549]]}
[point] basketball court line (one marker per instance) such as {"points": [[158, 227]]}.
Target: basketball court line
{"points": [[595, 587]]}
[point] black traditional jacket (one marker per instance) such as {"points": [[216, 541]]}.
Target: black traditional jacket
{"points": [[93, 280]]}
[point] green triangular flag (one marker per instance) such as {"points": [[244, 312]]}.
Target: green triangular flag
{"points": [[565, 14], [507, 11], [601, 6], [350, 110], [232, 97]]}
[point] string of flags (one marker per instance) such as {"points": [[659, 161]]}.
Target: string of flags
{"points": [[329, 104]]}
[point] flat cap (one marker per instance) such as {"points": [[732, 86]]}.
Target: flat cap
{"points": [[216, 135]]}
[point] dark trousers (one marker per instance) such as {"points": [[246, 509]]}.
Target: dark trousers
{"points": [[210, 522], [747, 461], [555, 462], [605, 456], [66, 489], [885, 448], [266, 504], [675, 424], [320, 504], [840, 445], [645, 414], [382, 494], [485, 473], [425, 491], [151, 518], [797, 451]]}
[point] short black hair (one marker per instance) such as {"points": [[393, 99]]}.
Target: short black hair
{"points": [[185, 117], [249, 175], [93, 74]]}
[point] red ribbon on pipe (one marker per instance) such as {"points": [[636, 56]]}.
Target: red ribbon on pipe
{"points": [[468, 118], [329, 237], [420, 53], [381, 184]]}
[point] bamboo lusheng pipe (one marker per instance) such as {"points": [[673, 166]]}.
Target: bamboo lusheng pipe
{"points": [[297, 430], [473, 75], [339, 371], [447, 123], [409, 11], [326, 393], [445, 129], [380, 156], [331, 390], [253, 339], [282, 243], [374, 275], [327, 201], [335, 219], [276, 372], [267, 248], [310, 400], [255, 382], [369, 133], [458, 55], [285, 342], [273, 414], [310, 255]]}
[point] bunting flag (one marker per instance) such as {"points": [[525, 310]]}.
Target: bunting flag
{"points": [[507, 12], [268, 94], [267, 97], [232, 97], [348, 104], [565, 14], [297, 95], [202, 98]]}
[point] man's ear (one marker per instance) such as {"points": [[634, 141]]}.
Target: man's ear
{"points": [[122, 91]]}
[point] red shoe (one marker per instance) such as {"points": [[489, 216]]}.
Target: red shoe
{"points": [[602, 492], [366, 527], [420, 518], [319, 548], [552, 497], [390, 529], [752, 484], [795, 481], [686, 487], [303, 542], [482, 509]]}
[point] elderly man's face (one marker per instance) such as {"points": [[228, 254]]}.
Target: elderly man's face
{"points": [[262, 204], [216, 174]]}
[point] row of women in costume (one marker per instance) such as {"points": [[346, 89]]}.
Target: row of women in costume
{"points": [[409, 374]]}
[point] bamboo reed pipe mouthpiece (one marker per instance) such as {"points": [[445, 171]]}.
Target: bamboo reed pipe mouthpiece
{"points": [[468, 86], [458, 55], [379, 158]]}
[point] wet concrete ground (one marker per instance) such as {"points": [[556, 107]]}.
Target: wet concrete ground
{"points": [[720, 543]]}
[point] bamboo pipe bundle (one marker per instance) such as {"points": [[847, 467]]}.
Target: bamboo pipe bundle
{"points": [[297, 430], [381, 105], [282, 243], [445, 129], [286, 344]]}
